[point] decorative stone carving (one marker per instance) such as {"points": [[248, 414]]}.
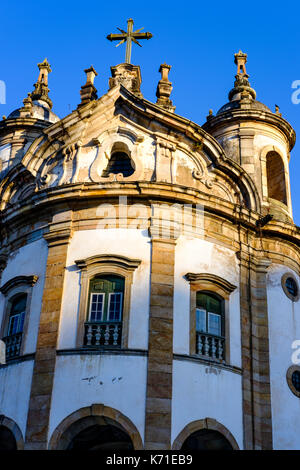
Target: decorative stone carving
{"points": [[88, 91], [164, 89], [127, 75]]}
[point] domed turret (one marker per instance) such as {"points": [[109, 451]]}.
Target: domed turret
{"points": [[257, 139], [25, 124], [242, 94]]}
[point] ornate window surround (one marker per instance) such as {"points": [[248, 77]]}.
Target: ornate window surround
{"points": [[13, 287], [110, 265], [209, 283]]}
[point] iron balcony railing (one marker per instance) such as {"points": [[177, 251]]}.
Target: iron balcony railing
{"points": [[12, 345], [103, 334], [210, 346]]}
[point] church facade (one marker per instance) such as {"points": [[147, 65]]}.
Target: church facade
{"points": [[149, 291]]}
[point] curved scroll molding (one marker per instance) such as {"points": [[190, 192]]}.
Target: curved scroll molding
{"points": [[18, 281], [207, 281], [207, 423], [116, 261], [14, 428], [89, 416]]}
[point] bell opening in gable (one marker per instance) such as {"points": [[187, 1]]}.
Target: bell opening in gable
{"points": [[120, 161]]}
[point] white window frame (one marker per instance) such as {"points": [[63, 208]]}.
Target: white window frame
{"points": [[121, 306], [91, 301]]}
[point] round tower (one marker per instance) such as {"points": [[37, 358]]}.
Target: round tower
{"points": [[24, 125], [258, 140]]}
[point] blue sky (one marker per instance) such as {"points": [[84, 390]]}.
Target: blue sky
{"points": [[197, 38]]}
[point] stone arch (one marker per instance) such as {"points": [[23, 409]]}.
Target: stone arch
{"points": [[276, 178], [207, 423], [266, 159], [87, 416], [14, 429], [120, 161]]}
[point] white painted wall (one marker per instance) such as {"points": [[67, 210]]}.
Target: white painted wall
{"points": [[132, 243], [15, 384], [200, 391], [200, 256], [29, 260], [116, 381], [284, 328]]}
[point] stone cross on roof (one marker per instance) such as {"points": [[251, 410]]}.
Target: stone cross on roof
{"points": [[129, 36]]}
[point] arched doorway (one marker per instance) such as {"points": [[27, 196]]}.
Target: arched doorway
{"points": [[206, 439], [205, 434], [96, 427], [103, 437], [7, 439], [11, 437]]}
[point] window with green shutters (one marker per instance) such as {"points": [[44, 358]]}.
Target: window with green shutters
{"points": [[210, 325], [17, 315], [105, 311], [106, 299], [13, 338]]}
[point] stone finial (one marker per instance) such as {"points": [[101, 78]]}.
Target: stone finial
{"points": [[41, 89], [45, 69], [240, 60], [277, 110], [27, 108], [88, 91], [242, 89], [127, 75], [164, 89], [210, 114]]}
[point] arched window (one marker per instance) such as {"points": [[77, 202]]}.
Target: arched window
{"points": [[17, 294], [105, 311], [210, 325], [120, 161], [13, 338], [276, 177], [17, 315]]}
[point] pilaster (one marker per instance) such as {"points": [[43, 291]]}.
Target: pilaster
{"points": [[160, 348], [45, 357], [255, 352]]}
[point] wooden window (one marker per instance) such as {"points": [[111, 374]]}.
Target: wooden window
{"points": [[104, 322], [104, 308], [13, 337], [210, 325], [17, 315], [209, 316], [18, 294], [106, 298]]}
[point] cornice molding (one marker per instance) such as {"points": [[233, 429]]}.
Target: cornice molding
{"points": [[252, 115], [109, 260], [58, 237], [212, 279], [17, 281]]}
